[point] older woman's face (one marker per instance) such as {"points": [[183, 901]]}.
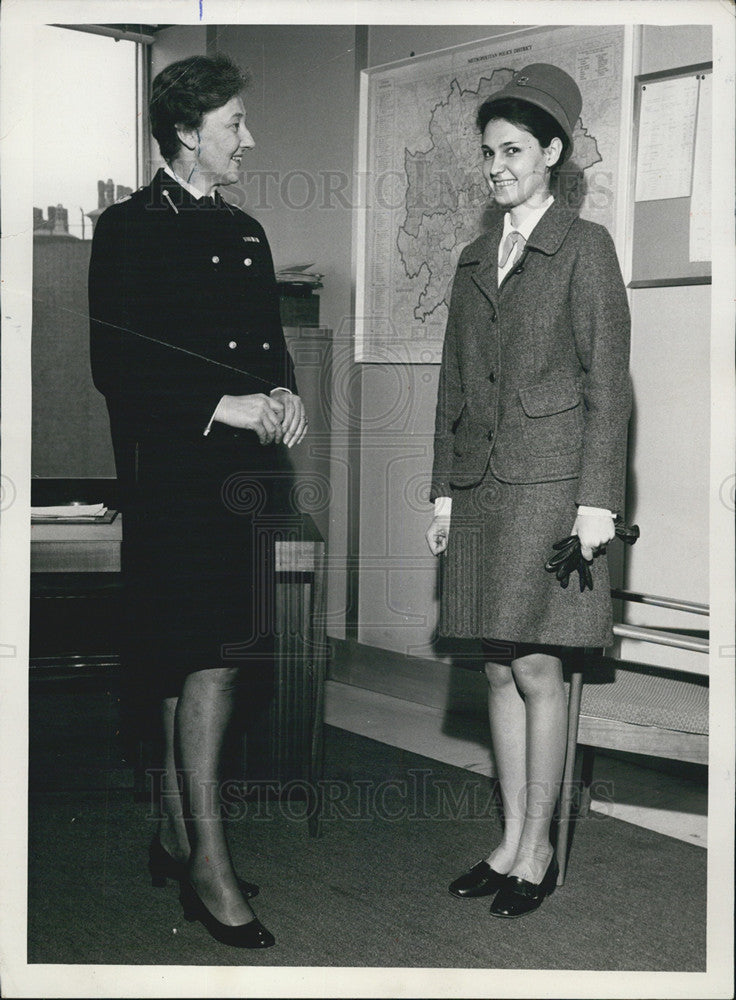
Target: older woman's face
{"points": [[515, 165], [223, 138]]}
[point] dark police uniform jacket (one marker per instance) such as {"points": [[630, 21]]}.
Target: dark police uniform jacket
{"points": [[183, 310]]}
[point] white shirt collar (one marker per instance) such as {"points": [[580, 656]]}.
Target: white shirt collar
{"points": [[529, 222], [193, 191]]}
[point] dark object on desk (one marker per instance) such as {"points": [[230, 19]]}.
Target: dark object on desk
{"points": [[46, 491], [298, 305], [568, 556]]}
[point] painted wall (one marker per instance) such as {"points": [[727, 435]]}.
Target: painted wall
{"points": [[70, 431], [670, 434]]}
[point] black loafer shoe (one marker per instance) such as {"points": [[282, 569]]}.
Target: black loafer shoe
{"points": [[518, 896], [481, 880]]}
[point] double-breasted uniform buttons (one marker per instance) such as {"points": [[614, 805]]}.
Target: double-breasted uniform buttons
{"points": [[232, 345], [215, 259], [247, 261], [266, 346]]}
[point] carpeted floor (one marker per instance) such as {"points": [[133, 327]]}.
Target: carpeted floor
{"points": [[372, 890]]}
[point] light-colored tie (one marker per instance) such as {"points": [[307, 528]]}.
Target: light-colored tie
{"points": [[513, 244]]}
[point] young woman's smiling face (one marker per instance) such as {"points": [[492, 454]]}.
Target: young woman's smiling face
{"points": [[515, 165]]}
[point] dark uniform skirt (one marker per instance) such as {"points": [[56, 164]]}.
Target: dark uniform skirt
{"points": [[494, 585], [198, 564]]}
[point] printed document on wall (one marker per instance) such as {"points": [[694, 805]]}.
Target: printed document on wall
{"points": [[666, 124], [700, 246]]}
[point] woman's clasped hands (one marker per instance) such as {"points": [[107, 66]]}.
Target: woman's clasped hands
{"points": [[278, 417]]}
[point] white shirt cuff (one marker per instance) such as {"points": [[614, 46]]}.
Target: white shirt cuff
{"points": [[208, 428], [281, 388], [582, 509], [443, 507]]}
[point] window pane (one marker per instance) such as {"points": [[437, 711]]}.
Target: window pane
{"points": [[84, 121], [84, 132]]}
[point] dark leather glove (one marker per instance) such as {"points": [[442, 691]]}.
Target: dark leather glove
{"points": [[566, 560], [568, 557], [627, 533]]}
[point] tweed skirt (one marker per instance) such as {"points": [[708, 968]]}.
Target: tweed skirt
{"points": [[494, 585]]}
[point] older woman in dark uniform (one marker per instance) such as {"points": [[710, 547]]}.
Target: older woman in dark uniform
{"points": [[530, 447], [187, 347]]}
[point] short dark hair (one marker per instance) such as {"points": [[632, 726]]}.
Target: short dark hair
{"points": [[528, 116], [186, 90]]}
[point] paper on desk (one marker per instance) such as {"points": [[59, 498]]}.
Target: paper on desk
{"points": [[70, 510], [298, 274], [290, 268]]}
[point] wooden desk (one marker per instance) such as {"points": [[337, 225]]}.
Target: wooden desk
{"points": [[75, 599], [76, 548], [82, 562]]}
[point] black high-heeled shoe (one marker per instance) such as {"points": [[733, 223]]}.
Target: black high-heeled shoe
{"points": [[250, 935], [518, 897], [162, 866]]}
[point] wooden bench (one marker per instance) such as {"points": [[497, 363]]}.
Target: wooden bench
{"points": [[636, 708]]}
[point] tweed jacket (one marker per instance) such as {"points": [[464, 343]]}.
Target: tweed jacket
{"points": [[534, 377]]}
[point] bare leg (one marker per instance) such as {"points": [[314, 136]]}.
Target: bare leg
{"points": [[172, 831], [202, 716], [507, 715], [539, 678]]}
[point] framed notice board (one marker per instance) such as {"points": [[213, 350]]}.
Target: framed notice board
{"points": [[672, 173]]}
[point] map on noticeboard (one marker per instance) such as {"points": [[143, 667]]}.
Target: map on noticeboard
{"points": [[425, 197]]}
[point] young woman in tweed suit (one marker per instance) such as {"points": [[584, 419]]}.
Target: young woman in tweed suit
{"points": [[530, 446]]}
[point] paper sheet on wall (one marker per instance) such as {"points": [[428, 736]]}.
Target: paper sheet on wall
{"points": [[666, 135], [700, 247]]}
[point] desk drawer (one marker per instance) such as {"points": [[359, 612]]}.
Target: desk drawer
{"points": [[75, 557], [76, 548]]}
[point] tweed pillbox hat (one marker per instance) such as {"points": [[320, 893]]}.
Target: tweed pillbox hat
{"points": [[551, 89]]}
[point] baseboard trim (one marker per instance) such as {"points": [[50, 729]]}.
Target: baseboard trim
{"points": [[458, 687]]}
